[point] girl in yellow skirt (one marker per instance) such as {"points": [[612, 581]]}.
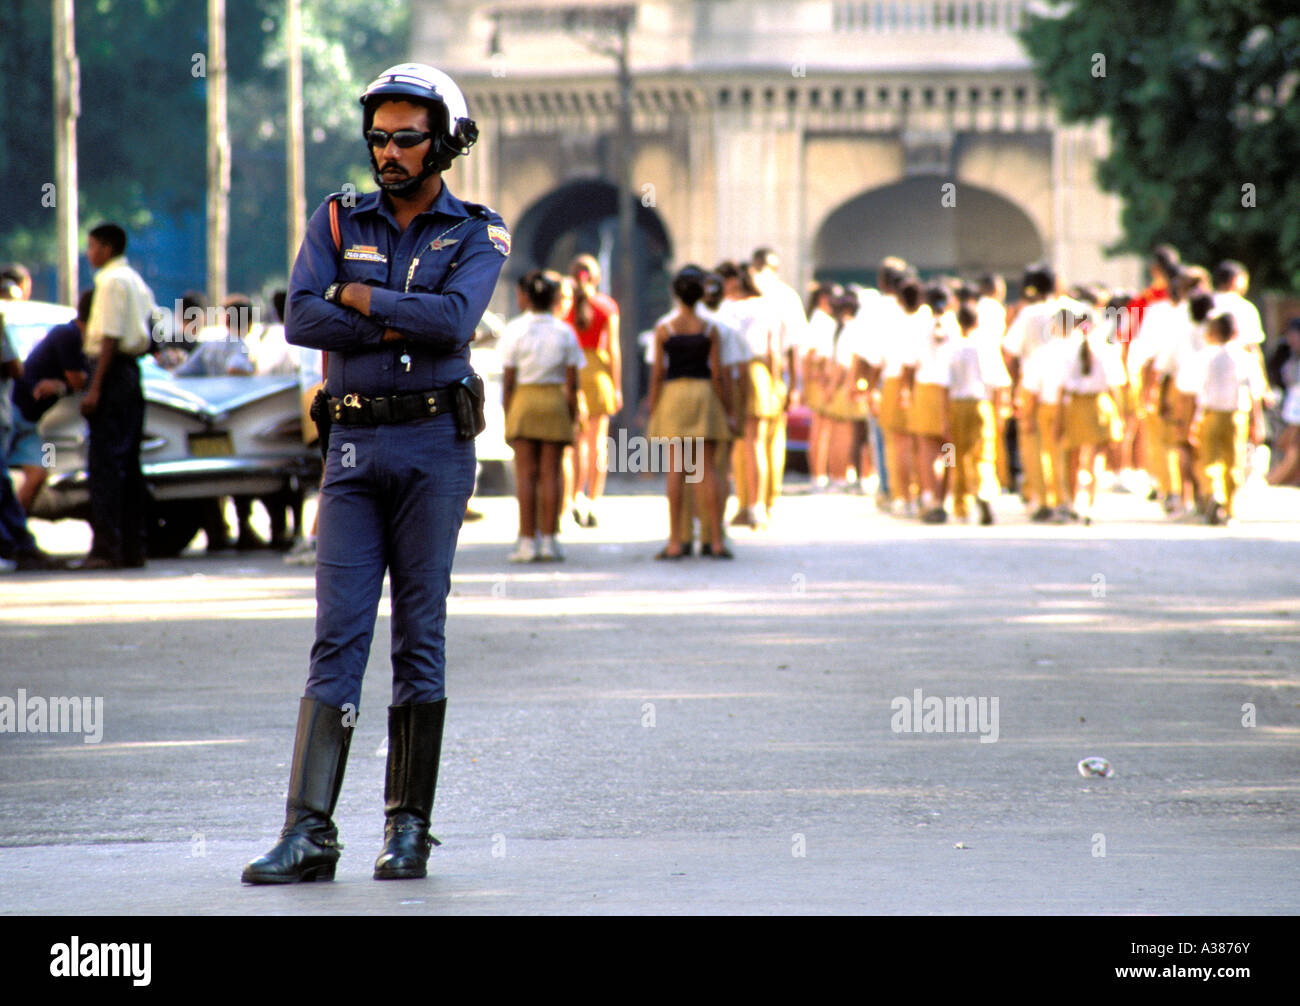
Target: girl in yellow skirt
{"points": [[748, 311], [540, 357], [594, 316], [1179, 374], [928, 417], [816, 359], [846, 401], [1088, 422], [687, 416], [971, 418], [899, 355]]}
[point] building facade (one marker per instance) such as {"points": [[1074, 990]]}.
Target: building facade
{"points": [[834, 132]]}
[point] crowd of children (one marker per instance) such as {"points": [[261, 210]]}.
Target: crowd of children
{"points": [[1164, 389], [936, 395]]}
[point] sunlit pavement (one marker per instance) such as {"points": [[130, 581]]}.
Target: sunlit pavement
{"points": [[627, 735]]}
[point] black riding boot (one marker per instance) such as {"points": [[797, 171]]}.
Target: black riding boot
{"points": [[414, 748], [309, 843]]}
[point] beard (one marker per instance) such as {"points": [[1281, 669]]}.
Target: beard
{"points": [[401, 185]]}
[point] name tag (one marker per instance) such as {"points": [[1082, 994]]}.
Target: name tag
{"points": [[365, 253]]}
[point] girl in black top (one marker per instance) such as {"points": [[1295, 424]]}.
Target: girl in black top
{"points": [[686, 410]]}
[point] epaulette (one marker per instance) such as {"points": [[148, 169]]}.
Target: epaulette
{"points": [[479, 210]]}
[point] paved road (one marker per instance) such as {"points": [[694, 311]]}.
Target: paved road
{"points": [[626, 735]]}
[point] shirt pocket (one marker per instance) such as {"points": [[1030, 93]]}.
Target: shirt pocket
{"points": [[359, 271], [430, 270]]}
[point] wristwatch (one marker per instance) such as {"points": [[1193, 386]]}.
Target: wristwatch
{"points": [[332, 292]]}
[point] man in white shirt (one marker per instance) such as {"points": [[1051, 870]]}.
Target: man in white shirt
{"points": [[117, 334]]}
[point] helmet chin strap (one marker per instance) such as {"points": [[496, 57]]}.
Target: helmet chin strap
{"points": [[406, 188]]}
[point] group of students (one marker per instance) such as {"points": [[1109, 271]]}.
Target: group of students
{"points": [[1169, 382], [936, 396], [722, 364]]}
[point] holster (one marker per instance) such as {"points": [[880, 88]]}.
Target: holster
{"points": [[320, 415], [468, 394]]}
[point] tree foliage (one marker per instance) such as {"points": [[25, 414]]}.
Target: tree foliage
{"points": [[1204, 115], [142, 130]]}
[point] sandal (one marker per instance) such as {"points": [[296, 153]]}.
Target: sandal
{"points": [[665, 554], [721, 553]]}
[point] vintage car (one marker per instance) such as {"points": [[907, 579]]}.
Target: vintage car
{"points": [[206, 438]]}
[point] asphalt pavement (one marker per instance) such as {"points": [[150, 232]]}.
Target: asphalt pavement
{"points": [[632, 736]]}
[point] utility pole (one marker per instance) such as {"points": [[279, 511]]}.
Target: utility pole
{"points": [[67, 107], [218, 153], [297, 184], [625, 279]]}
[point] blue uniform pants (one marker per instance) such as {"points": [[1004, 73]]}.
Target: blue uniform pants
{"points": [[392, 501]]}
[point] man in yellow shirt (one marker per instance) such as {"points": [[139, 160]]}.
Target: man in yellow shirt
{"points": [[116, 335]]}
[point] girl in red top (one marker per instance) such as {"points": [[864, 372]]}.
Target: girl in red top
{"points": [[594, 317]]}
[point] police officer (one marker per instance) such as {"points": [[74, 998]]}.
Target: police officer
{"points": [[392, 288]]}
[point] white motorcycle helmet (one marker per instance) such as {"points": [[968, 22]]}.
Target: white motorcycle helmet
{"points": [[454, 132]]}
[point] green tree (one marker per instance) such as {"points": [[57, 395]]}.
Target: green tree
{"points": [[345, 45], [1204, 117], [142, 137]]}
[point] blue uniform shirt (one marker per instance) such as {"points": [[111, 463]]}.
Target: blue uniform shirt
{"points": [[431, 282]]}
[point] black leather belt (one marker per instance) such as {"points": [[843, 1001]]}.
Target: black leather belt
{"points": [[360, 410]]}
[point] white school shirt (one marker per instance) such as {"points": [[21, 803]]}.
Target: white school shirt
{"points": [[1250, 330], [992, 316], [902, 341], [732, 350], [1184, 357], [539, 346], [935, 351], [758, 326], [787, 308], [1044, 372], [1231, 378], [821, 334], [880, 321], [988, 335], [1029, 330], [966, 378], [1106, 372], [1161, 323]]}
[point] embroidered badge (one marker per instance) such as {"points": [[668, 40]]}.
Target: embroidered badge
{"points": [[500, 238], [442, 243], [365, 253]]}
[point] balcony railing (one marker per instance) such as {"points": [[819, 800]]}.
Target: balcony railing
{"points": [[935, 17]]}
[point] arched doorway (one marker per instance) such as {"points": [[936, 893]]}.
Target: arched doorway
{"points": [[977, 231], [581, 217]]}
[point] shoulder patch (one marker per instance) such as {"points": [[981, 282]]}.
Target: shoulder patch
{"points": [[500, 238]]}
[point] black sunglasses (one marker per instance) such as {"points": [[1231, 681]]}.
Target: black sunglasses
{"points": [[403, 138]]}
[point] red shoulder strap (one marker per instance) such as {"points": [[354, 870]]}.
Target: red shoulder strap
{"points": [[334, 225]]}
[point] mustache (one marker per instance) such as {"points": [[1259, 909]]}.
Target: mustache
{"points": [[394, 165]]}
